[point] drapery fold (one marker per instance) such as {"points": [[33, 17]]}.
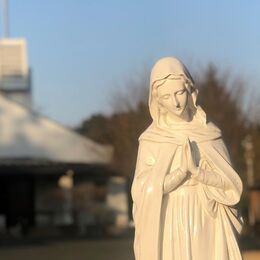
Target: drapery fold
{"points": [[147, 193]]}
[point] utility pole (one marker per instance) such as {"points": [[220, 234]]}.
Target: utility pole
{"points": [[5, 18], [247, 144]]}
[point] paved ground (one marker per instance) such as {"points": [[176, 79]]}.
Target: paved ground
{"points": [[252, 255], [115, 249], [71, 250]]}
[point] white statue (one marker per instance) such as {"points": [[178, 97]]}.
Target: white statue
{"points": [[184, 189]]}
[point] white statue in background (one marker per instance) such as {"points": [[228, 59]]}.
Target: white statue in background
{"points": [[184, 189]]}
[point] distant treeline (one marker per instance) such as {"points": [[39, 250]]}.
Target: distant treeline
{"points": [[223, 101]]}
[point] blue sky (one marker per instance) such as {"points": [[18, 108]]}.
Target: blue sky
{"points": [[80, 49]]}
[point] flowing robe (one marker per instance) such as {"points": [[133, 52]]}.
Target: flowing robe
{"points": [[155, 156], [154, 213]]}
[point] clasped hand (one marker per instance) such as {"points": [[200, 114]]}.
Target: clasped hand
{"points": [[188, 164], [188, 168]]}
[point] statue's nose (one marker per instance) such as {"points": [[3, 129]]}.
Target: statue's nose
{"points": [[175, 101]]}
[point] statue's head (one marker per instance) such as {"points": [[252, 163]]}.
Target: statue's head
{"points": [[172, 90], [172, 97]]}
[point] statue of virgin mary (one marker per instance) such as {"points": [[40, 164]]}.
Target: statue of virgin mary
{"points": [[185, 188]]}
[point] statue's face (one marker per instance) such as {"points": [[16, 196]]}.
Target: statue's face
{"points": [[173, 96]]}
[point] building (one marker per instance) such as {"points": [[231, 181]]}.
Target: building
{"points": [[15, 75], [49, 175]]}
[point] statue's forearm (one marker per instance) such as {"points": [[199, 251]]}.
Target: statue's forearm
{"points": [[211, 178], [173, 180]]}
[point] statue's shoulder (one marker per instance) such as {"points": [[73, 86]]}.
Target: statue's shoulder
{"points": [[212, 126], [217, 144], [214, 136], [147, 144], [146, 134]]}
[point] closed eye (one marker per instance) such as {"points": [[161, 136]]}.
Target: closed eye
{"points": [[166, 96], [180, 92]]}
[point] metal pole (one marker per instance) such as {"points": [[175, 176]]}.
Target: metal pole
{"points": [[247, 143], [5, 18]]}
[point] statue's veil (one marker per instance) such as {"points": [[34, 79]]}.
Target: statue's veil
{"points": [[167, 68]]}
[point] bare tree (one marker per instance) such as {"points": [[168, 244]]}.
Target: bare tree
{"points": [[221, 98]]}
